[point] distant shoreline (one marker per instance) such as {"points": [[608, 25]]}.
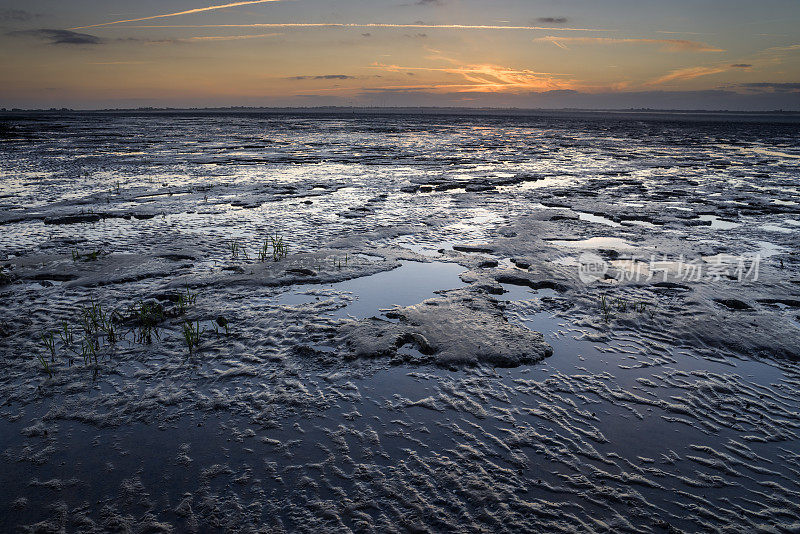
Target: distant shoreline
{"points": [[407, 109], [641, 114]]}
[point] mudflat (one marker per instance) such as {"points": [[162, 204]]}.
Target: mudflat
{"points": [[226, 322]]}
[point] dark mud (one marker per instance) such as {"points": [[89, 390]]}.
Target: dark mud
{"points": [[430, 355]]}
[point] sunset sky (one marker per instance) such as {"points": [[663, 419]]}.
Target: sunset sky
{"points": [[689, 54]]}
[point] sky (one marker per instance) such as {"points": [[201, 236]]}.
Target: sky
{"points": [[601, 54]]}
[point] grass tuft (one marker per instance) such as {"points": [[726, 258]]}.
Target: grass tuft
{"points": [[191, 335], [235, 250], [45, 365], [185, 300], [609, 307], [50, 344], [273, 247], [146, 317]]}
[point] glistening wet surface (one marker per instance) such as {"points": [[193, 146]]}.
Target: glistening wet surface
{"points": [[666, 404], [409, 284]]}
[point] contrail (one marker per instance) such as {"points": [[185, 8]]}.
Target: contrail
{"points": [[189, 12], [670, 44], [368, 25], [229, 37]]}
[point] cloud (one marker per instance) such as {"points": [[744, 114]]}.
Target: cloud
{"points": [[218, 38], [671, 45], [482, 78], [430, 2], [789, 48], [178, 13], [561, 99], [118, 63], [61, 37], [66, 37], [690, 73], [772, 87], [325, 77], [17, 15], [678, 33], [416, 25], [552, 20]]}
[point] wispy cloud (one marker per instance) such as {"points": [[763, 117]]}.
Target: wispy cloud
{"points": [[324, 77], [223, 37], [771, 87], [177, 14], [789, 48], [667, 32], [376, 25], [118, 63], [67, 37], [690, 73], [17, 15], [483, 78], [667, 44], [60, 37], [552, 20]]}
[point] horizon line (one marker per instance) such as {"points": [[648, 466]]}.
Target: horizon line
{"points": [[396, 108]]}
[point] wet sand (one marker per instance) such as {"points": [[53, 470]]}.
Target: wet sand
{"points": [[429, 354]]}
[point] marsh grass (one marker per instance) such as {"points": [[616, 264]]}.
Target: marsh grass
{"points": [[185, 300], [100, 329], [236, 250], [191, 335], [145, 316], [45, 365], [50, 344], [609, 307], [66, 335], [274, 247], [279, 249], [263, 252], [605, 308], [89, 349]]}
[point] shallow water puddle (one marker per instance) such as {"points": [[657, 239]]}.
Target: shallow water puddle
{"points": [[652, 270], [767, 249], [614, 243], [645, 224], [428, 250], [409, 284], [518, 293], [719, 224], [475, 218], [599, 219], [775, 228]]}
